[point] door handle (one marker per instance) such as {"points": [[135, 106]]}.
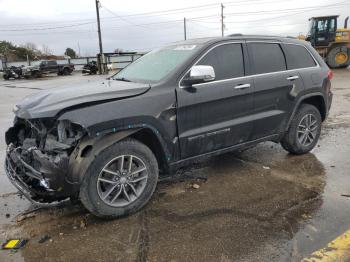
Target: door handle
{"points": [[291, 78], [242, 86]]}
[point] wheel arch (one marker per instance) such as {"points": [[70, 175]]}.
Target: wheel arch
{"points": [[315, 99], [89, 147], [154, 142]]}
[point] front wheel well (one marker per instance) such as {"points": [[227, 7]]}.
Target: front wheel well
{"points": [[319, 103], [150, 139]]}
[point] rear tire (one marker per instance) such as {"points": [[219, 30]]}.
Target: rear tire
{"points": [[341, 52], [304, 130], [66, 71], [120, 190]]}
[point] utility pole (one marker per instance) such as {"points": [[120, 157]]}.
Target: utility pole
{"points": [[101, 60], [78, 49], [222, 20], [185, 28]]}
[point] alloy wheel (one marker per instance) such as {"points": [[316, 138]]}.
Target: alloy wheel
{"points": [[122, 180], [307, 130]]}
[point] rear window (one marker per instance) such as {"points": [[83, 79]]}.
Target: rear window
{"points": [[267, 57], [298, 57], [227, 61]]}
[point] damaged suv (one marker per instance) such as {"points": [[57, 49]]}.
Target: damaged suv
{"points": [[105, 142]]}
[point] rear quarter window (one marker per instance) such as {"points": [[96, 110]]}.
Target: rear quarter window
{"points": [[267, 57], [298, 57]]}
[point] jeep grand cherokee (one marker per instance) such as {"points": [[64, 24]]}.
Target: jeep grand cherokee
{"points": [[105, 142]]}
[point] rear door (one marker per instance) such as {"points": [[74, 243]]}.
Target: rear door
{"points": [[215, 115], [274, 88], [299, 59]]}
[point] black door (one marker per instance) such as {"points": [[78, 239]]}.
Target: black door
{"points": [[274, 88], [325, 31], [216, 114], [52, 66]]}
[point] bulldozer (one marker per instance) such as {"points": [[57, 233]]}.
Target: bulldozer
{"points": [[331, 42]]}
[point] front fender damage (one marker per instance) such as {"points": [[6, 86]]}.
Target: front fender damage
{"points": [[47, 160], [88, 149]]}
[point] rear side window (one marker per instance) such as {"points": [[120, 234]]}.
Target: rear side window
{"points": [[267, 57], [227, 61], [298, 57]]}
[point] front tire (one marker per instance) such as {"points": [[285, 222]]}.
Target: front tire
{"points": [[304, 130], [120, 180], [36, 74]]}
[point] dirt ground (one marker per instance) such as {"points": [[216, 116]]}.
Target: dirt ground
{"points": [[259, 205]]}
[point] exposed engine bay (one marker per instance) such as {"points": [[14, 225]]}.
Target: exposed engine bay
{"points": [[38, 157]]}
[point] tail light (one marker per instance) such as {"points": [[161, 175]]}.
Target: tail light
{"points": [[330, 74]]}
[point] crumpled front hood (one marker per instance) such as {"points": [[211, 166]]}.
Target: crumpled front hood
{"points": [[50, 102]]}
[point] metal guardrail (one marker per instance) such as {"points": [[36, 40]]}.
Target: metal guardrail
{"points": [[114, 61]]}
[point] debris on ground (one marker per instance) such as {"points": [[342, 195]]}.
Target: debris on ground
{"points": [[195, 186], [345, 195], [306, 216], [44, 238], [27, 214], [7, 215], [21, 217], [266, 168], [82, 224], [14, 244]]}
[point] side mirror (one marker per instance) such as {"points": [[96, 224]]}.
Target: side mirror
{"points": [[199, 74]]}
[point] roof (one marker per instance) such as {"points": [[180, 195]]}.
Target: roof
{"points": [[210, 40], [326, 16]]}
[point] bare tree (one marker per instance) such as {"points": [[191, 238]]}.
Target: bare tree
{"points": [[46, 50], [31, 46]]}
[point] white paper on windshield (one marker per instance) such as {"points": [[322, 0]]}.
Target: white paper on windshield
{"points": [[185, 47]]}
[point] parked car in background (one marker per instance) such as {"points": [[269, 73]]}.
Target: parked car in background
{"points": [[43, 67], [90, 68], [14, 72], [106, 141]]}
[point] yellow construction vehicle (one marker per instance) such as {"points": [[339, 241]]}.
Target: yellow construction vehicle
{"points": [[331, 43]]}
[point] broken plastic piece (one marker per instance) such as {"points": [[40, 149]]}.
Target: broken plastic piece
{"points": [[14, 244]]}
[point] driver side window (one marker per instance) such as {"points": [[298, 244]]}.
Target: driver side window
{"points": [[332, 25], [227, 61]]}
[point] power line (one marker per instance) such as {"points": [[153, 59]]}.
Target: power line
{"points": [[267, 18], [304, 9], [168, 11], [46, 28], [120, 17]]}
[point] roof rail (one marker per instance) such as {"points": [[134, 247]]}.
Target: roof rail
{"points": [[238, 34]]}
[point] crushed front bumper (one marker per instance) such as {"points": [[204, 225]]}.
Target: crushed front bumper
{"points": [[19, 173], [22, 187]]}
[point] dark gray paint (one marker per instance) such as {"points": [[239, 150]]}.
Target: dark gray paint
{"points": [[203, 118]]}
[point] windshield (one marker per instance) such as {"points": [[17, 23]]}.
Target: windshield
{"points": [[157, 64], [36, 63]]}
